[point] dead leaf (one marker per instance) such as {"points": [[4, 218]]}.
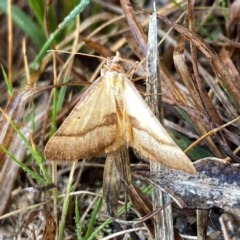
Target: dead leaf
{"points": [[49, 228], [216, 185]]}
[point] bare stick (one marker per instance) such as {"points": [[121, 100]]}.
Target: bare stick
{"points": [[163, 223]]}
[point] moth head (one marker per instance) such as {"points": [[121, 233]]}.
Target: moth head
{"points": [[113, 65]]}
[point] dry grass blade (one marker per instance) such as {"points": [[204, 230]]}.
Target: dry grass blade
{"points": [[234, 10], [218, 67], [202, 224], [209, 110], [163, 223], [9, 171], [9, 140], [152, 214], [213, 131], [14, 110], [206, 102], [140, 202], [224, 55], [134, 45], [111, 185], [135, 27], [99, 48], [180, 64]]}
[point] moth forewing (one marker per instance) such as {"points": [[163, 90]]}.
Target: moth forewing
{"points": [[149, 137], [112, 114], [91, 128]]}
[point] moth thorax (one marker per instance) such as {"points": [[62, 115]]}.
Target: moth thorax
{"points": [[116, 68], [113, 68], [116, 82]]}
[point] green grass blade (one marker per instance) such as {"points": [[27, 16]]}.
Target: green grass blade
{"points": [[66, 203], [26, 24], [183, 142], [23, 166], [98, 229], [177, 5], [9, 86], [93, 218], [38, 9], [186, 118], [120, 212], [77, 220], [72, 15], [61, 96], [32, 149], [54, 113]]}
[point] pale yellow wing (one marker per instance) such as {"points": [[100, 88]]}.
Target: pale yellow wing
{"points": [[91, 129], [149, 138]]}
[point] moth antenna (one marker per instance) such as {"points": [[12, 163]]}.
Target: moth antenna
{"points": [[132, 70], [139, 78], [117, 58], [83, 54]]}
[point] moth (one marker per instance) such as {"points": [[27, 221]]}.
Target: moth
{"points": [[111, 114]]}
